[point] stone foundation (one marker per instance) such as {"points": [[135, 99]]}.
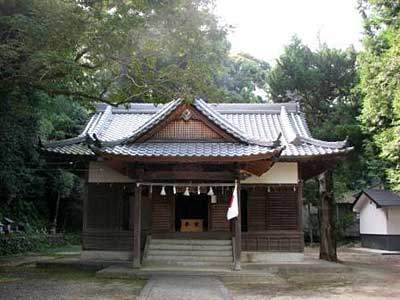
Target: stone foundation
{"points": [[106, 255], [271, 257]]}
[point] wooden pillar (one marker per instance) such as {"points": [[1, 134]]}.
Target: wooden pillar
{"points": [[300, 224], [238, 231], [137, 226], [85, 195], [86, 199], [327, 248], [300, 212]]}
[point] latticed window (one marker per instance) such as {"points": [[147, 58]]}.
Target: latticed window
{"points": [[186, 130]]}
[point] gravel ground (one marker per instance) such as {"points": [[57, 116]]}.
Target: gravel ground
{"points": [[371, 276], [29, 283]]}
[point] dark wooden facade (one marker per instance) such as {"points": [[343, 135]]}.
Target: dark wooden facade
{"points": [[270, 217]]}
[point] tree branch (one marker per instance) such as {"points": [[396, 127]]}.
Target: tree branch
{"points": [[53, 91]]}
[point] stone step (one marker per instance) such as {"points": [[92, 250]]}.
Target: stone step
{"points": [[156, 246], [191, 242], [189, 264], [190, 253], [188, 258]]}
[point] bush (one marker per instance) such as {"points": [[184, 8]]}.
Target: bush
{"points": [[17, 243]]}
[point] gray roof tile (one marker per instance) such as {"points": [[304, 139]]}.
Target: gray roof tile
{"points": [[256, 126], [188, 149]]}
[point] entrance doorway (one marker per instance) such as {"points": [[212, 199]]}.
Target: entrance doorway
{"points": [[191, 213]]}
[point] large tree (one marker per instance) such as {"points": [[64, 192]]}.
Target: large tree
{"points": [[114, 51], [324, 82], [57, 57], [380, 85]]}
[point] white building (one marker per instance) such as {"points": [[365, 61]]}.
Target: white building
{"points": [[379, 219]]}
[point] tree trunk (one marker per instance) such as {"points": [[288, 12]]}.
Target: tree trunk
{"points": [[327, 248], [53, 229]]}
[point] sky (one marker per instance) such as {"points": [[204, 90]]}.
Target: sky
{"points": [[263, 27]]}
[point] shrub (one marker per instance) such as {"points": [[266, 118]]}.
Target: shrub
{"points": [[20, 243]]}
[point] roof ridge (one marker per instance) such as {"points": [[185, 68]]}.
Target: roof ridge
{"points": [[93, 119], [316, 142], [269, 108], [291, 136], [295, 138], [65, 142], [103, 117], [151, 122]]}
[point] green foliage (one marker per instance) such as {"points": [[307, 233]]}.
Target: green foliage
{"points": [[322, 81], [18, 123], [379, 69], [325, 84], [60, 117], [243, 79], [344, 223], [114, 51], [34, 242]]}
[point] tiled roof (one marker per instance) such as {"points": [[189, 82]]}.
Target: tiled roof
{"points": [[257, 127], [267, 123], [76, 149], [195, 149], [383, 198]]}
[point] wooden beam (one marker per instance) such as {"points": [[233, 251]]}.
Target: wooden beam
{"points": [[238, 232], [192, 175], [191, 159], [258, 167], [137, 226]]}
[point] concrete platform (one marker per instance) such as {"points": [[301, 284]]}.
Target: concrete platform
{"points": [[376, 251], [248, 270], [77, 263], [124, 270]]}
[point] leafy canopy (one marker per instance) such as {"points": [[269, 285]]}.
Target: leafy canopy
{"points": [[324, 82], [112, 51], [243, 79], [380, 84]]}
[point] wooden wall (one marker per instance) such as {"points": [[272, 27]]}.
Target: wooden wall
{"points": [[281, 209], [162, 211], [273, 219], [217, 211], [284, 241], [107, 218], [256, 208]]}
